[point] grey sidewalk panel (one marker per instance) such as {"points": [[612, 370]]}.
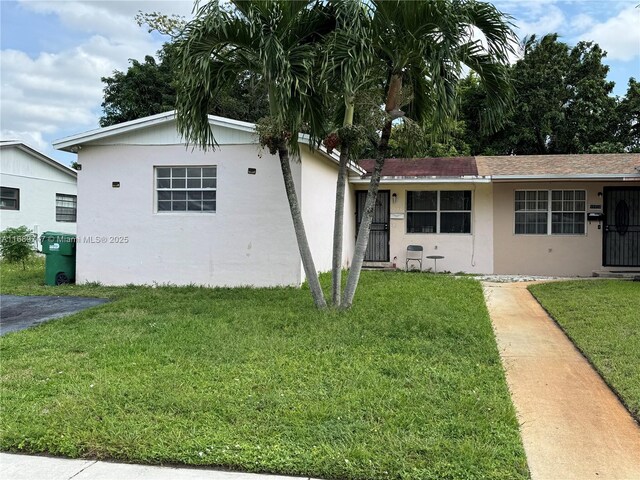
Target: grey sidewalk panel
{"points": [[28, 467]]}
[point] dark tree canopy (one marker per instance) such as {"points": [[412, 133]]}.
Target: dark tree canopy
{"points": [[149, 88], [563, 104], [144, 89]]}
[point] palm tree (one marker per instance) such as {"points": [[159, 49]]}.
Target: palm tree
{"points": [[279, 41], [348, 65], [424, 45]]}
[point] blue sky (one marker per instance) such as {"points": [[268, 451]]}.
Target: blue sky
{"points": [[54, 53]]}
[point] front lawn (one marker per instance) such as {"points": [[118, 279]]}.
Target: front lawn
{"points": [[407, 385], [603, 319]]}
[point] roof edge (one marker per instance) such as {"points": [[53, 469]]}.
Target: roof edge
{"points": [[580, 176], [71, 143], [40, 156]]}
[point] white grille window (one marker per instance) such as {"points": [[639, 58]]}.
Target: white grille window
{"points": [[186, 189], [568, 209], [532, 211], [556, 212]]}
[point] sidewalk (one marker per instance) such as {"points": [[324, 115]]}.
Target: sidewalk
{"points": [[572, 425], [29, 467]]}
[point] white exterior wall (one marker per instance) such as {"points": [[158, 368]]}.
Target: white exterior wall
{"points": [[249, 240], [470, 253], [318, 194], [38, 183]]}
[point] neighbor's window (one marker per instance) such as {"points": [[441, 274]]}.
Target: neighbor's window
{"points": [[439, 211], [563, 215], [66, 207], [186, 189], [9, 198]]}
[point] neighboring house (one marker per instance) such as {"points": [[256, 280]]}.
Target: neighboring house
{"points": [[155, 211], [35, 190], [532, 214]]}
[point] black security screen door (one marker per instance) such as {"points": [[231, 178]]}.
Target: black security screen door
{"points": [[621, 242], [378, 248]]}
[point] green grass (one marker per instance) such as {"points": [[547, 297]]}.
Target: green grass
{"points": [[406, 385], [603, 319]]}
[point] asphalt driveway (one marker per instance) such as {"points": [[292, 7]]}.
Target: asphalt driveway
{"points": [[18, 313]]}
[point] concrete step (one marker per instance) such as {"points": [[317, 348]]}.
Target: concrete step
{"points": [[380, 266], [624, 274]]}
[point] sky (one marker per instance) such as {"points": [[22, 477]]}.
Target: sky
{"points": [[54, 53]]}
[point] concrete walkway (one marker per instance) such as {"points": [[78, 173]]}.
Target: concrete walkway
{"points": [[29, 467], [573, 426]]}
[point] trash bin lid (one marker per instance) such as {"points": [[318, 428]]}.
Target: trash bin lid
{"points": [[67, 236]]}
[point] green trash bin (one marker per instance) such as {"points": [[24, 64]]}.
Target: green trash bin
{"points": [[60, 262]]}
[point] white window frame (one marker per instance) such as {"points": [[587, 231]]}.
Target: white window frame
{"points": [[14, 198], [185, 189], [438, 211], [550, 211], [67, 197]]}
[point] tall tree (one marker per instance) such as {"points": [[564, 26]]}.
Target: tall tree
{"points": [[144, 89], [278, 41], [349, 60], [563, 102], [628, 114], [149, 88], [423, 46]]}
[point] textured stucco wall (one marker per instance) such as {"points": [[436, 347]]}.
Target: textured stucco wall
{"points": [[249, 240], [319, 177], [557, 255], [38, 184], [472, 253]]}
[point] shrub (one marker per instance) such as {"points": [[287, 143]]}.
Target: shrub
{"points": [[17, 244]]}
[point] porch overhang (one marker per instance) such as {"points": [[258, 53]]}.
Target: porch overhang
{"points": [[567, 178], [426, 180]]}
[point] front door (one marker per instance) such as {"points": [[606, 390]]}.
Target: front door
{"points": [[621, 242], [378, 247]]}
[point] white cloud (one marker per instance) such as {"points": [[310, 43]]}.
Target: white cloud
{"points": [[32, 139], [541, 22], [113, 18], [581, 21], [61, 91], [619, 35]]}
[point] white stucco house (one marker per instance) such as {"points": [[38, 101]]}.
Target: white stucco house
{"points": [[35, 190], [152, 210]]}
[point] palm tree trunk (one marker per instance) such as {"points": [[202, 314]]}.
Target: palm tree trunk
{"points": [[394, 89], [365, 224], [301, 235], [338, 228]]}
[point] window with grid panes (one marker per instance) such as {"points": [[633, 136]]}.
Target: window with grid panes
{"points": [[555, 212], [568, 210], [532, 212], [186, 189]]}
